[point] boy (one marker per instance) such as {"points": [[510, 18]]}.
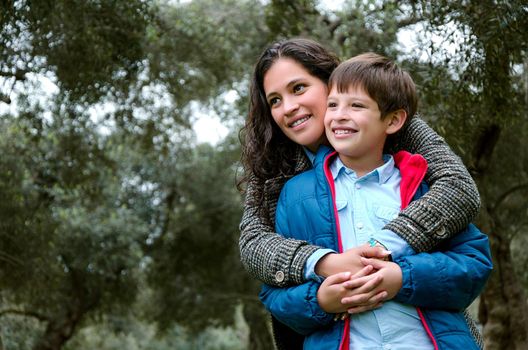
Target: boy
{"points": [[345, 201]]}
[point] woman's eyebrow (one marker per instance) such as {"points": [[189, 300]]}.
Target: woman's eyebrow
{"points": [[289, 85]]}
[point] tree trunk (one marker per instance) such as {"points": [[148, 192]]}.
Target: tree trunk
{"points": [[59, 330], [503, 310], [259, 328]]}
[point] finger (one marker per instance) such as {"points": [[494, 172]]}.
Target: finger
{"points": [[363, 308], [361, 295], [373, 252], [364, 300], [365, 271], [338, 278], [363, 284], [376, 263]]}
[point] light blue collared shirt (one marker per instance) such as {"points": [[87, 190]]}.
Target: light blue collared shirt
{"points": [[365, 205], [389, 239]]}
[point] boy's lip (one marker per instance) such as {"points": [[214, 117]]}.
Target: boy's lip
{"points": [[298, 120], [343, 130]]}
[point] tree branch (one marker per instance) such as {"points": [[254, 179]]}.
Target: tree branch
{"points": [[409, 21], [20, 74], [10, 259], [5, 98], [506, 194], [24, 313]]}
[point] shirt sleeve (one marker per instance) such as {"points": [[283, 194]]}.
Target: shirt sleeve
{"points": [[453, 200], [309, 269], [392, 242]]}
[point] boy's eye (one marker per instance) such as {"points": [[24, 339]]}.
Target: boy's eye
{"points": [[357, 105], [332, 105], [299, 88]]}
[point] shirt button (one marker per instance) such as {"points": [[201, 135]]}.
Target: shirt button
{"points": [[279, 276], [359, 225], [387, 347], [358, 186]]}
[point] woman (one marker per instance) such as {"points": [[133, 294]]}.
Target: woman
{"points": [[284, 126]]}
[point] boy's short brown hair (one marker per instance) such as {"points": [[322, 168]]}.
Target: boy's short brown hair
{"points": [[386, 83]]}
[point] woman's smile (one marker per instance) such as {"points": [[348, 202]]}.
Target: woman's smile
{"points": [[297, 101]]}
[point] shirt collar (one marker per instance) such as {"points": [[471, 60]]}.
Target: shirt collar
{"points": [[381, 174], [309, 154]]}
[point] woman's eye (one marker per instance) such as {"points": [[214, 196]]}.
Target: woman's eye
{"points": [[273, 101], [332, 104], [357, 105], [299, 88]]}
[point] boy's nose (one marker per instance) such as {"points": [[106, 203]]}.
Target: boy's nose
{"points": [[341, 115]]}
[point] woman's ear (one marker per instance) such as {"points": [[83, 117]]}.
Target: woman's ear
{"points": [[396, 120]]}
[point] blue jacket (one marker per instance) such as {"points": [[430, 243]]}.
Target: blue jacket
{"points": [[441, 284]]}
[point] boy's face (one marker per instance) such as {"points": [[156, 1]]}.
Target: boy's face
{"points": [[354, 127]]}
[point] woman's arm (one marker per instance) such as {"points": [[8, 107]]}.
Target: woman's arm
{"points": [[453, 199], [448, 279], [266, 255]]}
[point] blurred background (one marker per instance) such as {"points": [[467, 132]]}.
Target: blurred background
{"points": [[119, 152]]}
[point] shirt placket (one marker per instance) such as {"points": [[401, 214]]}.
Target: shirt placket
{"points": [[359, 213]]}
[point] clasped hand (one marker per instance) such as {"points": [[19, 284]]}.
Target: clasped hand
{"points": [[357, 280]]}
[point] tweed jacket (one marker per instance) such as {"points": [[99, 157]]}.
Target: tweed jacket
{"points": [[450, 205]]}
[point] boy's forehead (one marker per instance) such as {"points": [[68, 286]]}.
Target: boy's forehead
{"points": [[356, 89]]}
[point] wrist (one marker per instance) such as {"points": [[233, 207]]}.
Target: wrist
{"points": [[324, 266]]}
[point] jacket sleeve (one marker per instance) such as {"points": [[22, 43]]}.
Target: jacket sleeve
{"points": [[296, 307], [266, 255], [453, 200], [450, 278]]}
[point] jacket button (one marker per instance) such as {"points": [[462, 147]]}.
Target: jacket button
{"points": [[441, 232], [279, 276]]}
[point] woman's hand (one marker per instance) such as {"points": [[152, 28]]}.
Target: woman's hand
{"points": [[360, 288], [349, 260]]}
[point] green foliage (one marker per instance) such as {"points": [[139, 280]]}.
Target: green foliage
{"points": [[197, 49], [111, 212], [291, 18], [93, 48], [203, 218], [141, 336], [102, 180]]}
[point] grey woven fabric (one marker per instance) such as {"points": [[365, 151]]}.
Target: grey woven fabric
{"points": [[475, 332], [450, 205]]}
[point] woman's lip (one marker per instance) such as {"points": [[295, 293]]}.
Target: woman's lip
{"points": [[299, 121]]}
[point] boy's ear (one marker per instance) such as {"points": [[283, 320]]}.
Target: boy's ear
{"points": [[396, 120]]}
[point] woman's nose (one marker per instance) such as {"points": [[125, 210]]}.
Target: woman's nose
{"points": [[290, 105]]}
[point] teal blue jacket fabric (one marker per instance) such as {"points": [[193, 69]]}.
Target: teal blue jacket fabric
{"points": [[441, 284]]}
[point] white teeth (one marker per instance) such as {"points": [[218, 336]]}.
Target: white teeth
{"points": [[341, 131], [298, 122]]}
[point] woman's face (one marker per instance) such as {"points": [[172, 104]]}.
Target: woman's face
{"points": [[297, 101]]}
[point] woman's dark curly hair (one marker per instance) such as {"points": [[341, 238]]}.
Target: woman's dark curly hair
{"points": [[266, 151]]}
